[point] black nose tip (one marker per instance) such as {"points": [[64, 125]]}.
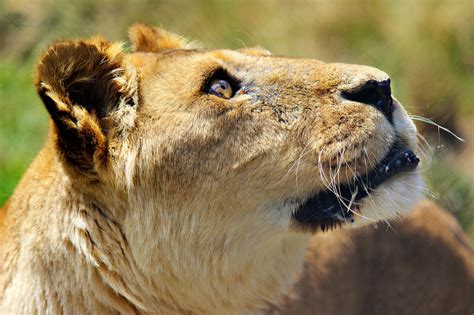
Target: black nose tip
{"points": [[377, 94]]}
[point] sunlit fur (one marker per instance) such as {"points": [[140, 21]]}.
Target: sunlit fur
{"points": [[152, 196], [422, 264]]}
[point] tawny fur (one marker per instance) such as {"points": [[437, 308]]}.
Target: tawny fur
{"points": [[423, 265], [152, 196]]}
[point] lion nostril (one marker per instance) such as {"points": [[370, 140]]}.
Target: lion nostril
{"points": [[377, 94]]}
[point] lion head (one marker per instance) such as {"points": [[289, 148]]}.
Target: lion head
{"points": [[217, 165]]}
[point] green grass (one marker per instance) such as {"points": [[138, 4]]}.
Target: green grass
{"points": [[23, 123], [453, 191]]}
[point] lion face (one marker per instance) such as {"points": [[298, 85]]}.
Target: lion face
{"points": [[205, 153], [289, 131]]}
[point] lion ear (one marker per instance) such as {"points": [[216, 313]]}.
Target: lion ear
{"points": [[147, 38], [82, 83]]}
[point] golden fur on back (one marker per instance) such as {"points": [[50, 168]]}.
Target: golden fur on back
{"points": [[153, 196], [422, 264]]}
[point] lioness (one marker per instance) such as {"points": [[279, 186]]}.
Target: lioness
{"points": [[184, 180]]}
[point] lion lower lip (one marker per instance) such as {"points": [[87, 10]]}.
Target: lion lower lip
{"points": [[327, 209]]}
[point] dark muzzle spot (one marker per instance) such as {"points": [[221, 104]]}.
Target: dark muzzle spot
{"points": [[326, 209]]}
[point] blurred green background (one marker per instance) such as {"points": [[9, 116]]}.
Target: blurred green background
{"points": [[426, 46]]}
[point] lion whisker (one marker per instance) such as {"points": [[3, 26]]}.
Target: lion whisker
{"points": [[302, 154], [431, 122], [298, 163]]}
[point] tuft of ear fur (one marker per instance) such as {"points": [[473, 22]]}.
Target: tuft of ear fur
{"points": [[146, 38], [81, 83]]}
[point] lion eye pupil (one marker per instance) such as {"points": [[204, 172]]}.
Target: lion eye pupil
{"points": [[221, 88]]}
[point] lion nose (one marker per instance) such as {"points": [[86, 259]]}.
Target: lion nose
{"points": [[375, 93]]}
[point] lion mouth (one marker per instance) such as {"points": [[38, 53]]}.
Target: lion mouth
{"points": [[327, 209]]}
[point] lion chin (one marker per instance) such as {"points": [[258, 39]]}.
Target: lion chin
{"points": [[390, 189]]}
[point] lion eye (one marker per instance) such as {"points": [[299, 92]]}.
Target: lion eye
{"points": [[221, 88]]}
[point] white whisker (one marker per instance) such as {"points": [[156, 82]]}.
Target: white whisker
{"points": [[429, 121], [302, 154]]}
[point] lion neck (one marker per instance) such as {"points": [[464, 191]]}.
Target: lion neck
{"points": [[101, 273]]}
